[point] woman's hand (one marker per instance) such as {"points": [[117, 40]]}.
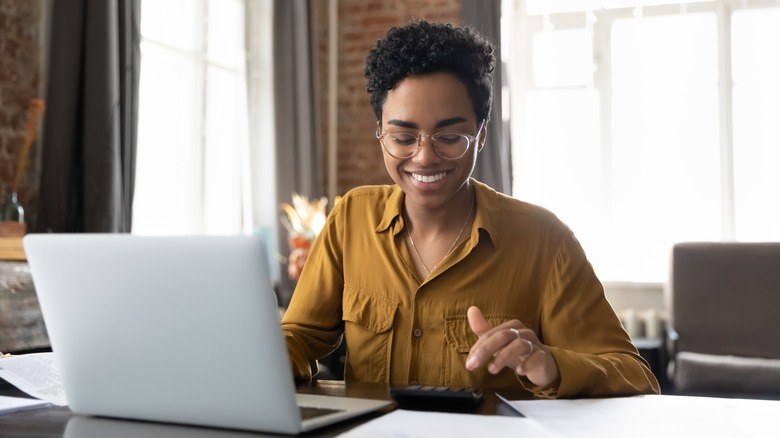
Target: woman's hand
{"points": [[513, 346]]}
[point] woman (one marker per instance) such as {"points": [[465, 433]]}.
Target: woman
{"points": [[438, 279]]}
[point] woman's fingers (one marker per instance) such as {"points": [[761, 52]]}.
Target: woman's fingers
{"points": [[479, 325], [514, 353], [494, 341]]}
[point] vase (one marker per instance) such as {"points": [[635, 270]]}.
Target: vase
{"points": [[12, 210]]}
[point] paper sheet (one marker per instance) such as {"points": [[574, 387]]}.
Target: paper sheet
{"points": [[652, 416], [417, 424], [15, 404], [36, 374]]}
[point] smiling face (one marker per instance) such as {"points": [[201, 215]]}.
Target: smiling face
{"points": [[426, 105]]}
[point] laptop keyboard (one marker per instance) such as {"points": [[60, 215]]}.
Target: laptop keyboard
{"points": [[308, 412]]}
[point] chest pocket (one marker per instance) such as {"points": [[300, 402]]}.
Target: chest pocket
{"points": [[368, 322], [459, 339]]}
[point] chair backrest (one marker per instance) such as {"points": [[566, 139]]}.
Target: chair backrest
{"points": [[725, 298]]}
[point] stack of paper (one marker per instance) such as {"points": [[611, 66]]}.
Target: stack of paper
{"points": [[15, 404], [36, 374]]}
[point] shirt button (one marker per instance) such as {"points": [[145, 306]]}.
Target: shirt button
{"points": [[417, 332]]}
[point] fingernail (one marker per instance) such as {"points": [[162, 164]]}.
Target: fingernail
{"points": [[470, 363]]}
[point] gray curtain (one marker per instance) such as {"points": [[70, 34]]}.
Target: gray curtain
{"points": [[298, 151], [90, 127], [494, 165]]}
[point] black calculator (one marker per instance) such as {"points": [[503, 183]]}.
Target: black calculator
{"points": [[436, 396]]}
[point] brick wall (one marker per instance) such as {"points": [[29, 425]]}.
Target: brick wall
{"points": [[360, 24], [20, 77]]}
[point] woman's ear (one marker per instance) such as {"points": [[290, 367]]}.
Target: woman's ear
{"points": [[482, 136]]}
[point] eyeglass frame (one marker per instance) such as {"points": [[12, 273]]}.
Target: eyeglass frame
{"points": [[472, 140]]}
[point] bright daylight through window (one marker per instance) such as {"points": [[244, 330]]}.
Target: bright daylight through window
{"points": [[192, 133], [642, 124]]}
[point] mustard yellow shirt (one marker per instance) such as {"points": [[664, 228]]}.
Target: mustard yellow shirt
{"points": [[520, 262]]}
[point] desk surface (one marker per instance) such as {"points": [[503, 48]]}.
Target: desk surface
{"points": [[651, 416], [51, 422]]}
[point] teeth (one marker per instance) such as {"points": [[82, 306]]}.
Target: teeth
{"points": [[428, 178]]}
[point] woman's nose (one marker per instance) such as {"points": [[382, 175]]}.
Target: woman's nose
{"points": [[426, 151]]}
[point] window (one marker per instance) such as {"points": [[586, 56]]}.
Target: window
{"points": [[642, 125], [192, 130]]}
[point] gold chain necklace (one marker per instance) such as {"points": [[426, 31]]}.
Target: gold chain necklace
{"points": [[414, 247]]}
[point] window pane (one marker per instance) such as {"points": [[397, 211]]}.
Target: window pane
{"points": [[560, 169], [665, 153], [168, 164], [225, 134], [563, 58], [756, 101], [756, 45], [666, 51], [537, 7], [226, 32], [184, 34], [666, 178]]}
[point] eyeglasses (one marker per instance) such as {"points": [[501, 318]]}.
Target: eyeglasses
{"points": [[449, 145]]}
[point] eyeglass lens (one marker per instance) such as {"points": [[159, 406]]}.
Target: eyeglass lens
{"points": [[446, 144]]}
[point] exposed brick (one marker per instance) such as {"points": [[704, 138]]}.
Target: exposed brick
{"points": [[20, 69], [361, 24]]}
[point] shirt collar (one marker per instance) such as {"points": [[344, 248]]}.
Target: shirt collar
{"points": [[393, 208], [487, 216]]}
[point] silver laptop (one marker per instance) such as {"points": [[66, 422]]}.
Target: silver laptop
{"points": [[173, 329]]}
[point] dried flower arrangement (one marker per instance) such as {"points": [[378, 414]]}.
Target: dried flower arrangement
{"points": [[303, 220]]}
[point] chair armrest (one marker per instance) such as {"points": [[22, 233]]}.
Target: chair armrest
{"points": [[671, 338], [670, 350]]}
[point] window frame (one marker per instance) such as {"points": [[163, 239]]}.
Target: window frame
{"points": [[198, 55], [518, 32]]}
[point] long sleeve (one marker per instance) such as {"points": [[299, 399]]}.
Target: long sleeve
{"points": [[594, 354], [312, 323]]}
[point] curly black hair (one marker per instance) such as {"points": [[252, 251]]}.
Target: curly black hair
{"points": [[422, 47]]}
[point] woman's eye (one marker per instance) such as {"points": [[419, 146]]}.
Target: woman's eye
{"points": [[449, 138], [404, 139]]}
